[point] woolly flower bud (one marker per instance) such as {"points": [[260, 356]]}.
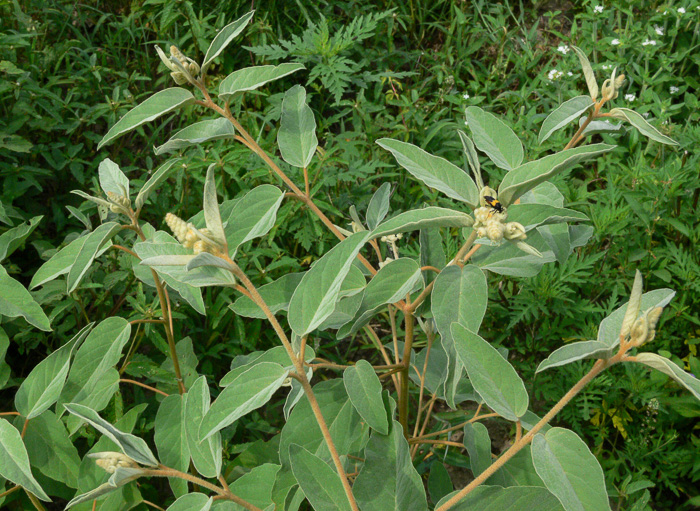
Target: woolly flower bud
{"points": [[633, 305], [385, 262], [178, 226], [481, 215], [190, 238], [111, 461], [119, 200], [495, 230], [199, 246], [391, 238], [356, 227], [515, 231], [640, 331]]}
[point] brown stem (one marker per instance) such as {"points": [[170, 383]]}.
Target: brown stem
{"points": [[124, 249], [306, 182], [453, 428], [299, 366], [422, 383], [137, 321], [24, 427], [597, 368], [152, 389], [9, 413], [439, 442], [11, 490], [151, 504], [405, 361], [34, 500], [575, 139], [385, 355]]}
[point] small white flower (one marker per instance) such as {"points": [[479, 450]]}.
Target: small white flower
{"points": [[646, 115], [598, 9], [673, 89], [615, 42], [465, 95], [466, 123], [606, 66], [554, 75], [569, 73], [681, 10], [659, 30], [630, 97], [647, 42], [563, 49]]}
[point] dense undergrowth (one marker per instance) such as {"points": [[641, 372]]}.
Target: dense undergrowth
{"points": [[405, 70]]}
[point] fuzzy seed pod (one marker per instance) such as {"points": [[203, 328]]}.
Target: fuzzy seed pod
{"points": [[515, 231], [178, 226]]}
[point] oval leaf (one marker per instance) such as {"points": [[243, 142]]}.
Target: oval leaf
{"points": [[315, 297], [198, 133], [91, 247], [365, 392], [492, 375], [16, 301], [160, 175], [206, 454], [587, 72], [425, 218], [224, 37], [159, 104], [492, 136], [434, 171], [192, 502], [297, 134], [569, 470], [497, 498], [253, 215], [529, 175], [378, 206], [575, 351], [563, 115], [112, 179], [250, 78], [15, 461], [251, 390], [319, 482]]}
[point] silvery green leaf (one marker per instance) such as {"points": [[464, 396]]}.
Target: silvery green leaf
{"points": [[587, 72], [212, 217], [112, 179], [250, 78], [563, 115], [155, 180], [207, 259], [97, 200], [224, 37], [198, 133], [297, 134], [639, 122]]}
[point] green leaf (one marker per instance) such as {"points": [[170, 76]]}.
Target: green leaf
{"points": [[388, 480], [587, 72], [206, 259], [532, 173], [426, 218], [94, 360], [44, 384], [252, 216], [16, 301], [478, 444], [198, 133], [348, 430], [13, 238], [569, 470], [251, 390], [206, 454], [434, 171], [439, 482], [171, 440], [278, 355], [378, 206], [459, 294], [314, 299], [277, 295], [534, 215], [365, 392], [250, 78], [256, 486], [134, 447], [432, 251], [563, 115], [161, 174], [224, 37], [192, 502], [4, 367], [496, 498], [544, 193], [297, 134], [574, 351], [50, 449], [668, 367], [319, 482], [558, 238], [92, 245], [391, 284], [212, 217], [599, 127], [59, 264], [639, 122], [15, 461], [159, 104], [492, 375], [508, 259], [112, 179], [492, 136], [472, 158]]}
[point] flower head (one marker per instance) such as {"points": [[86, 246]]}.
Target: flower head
{"points": [[563, 49], [659, 30], [673, 89], [598, 9], [630, 97], [465, 95], [681, 10], [648, 42], [615, 42], [554, 75]]}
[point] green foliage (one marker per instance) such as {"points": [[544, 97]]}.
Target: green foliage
{"points": [[406, 76]]}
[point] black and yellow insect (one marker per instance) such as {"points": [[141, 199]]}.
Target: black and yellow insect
{"points": [[494, 203]]}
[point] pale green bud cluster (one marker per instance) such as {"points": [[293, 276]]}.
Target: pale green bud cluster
{"points": [[111, 461], [183, 68], [612, 85], [199, 240], [120, 203], [644, 328], [492, 225]]}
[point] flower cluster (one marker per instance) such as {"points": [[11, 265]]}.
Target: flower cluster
{"points": [[111, 461], [490, 222], [199, 240], [120, 203], [639, 328], [183, 68], [554, 74]]}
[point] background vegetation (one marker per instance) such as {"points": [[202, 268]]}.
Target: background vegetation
{"points": [[406, 70]]}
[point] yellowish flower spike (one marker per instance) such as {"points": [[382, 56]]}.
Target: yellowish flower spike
{"points": [[178, 226]]}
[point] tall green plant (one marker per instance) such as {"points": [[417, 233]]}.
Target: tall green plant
{"points": [[349, 442]]}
